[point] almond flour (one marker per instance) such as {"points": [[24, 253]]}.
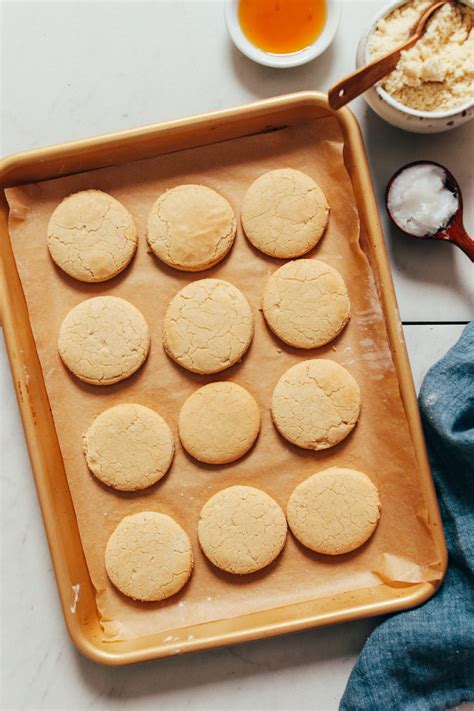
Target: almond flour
{"points": [[437, 73]]}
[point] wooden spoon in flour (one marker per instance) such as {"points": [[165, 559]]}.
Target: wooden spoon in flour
{"points": [[356, 83]]}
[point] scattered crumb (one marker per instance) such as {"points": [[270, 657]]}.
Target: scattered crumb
{"points": [[75, 590]]}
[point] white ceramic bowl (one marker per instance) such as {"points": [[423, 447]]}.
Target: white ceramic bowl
{"points": [[396, 113], [282, 61]]}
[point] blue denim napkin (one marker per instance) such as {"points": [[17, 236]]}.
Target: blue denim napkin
{"points": [[423, 659]]}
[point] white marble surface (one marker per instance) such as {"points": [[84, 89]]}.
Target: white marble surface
{"points": [[77, 68]]}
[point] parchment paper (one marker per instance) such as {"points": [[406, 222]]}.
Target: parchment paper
{"points": [[401, 552]]}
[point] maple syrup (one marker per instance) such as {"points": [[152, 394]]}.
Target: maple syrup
{"points": [[282, 26]]}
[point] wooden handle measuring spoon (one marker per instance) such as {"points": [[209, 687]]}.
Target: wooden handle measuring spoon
{"points": [[454, 231], [356, 83]]}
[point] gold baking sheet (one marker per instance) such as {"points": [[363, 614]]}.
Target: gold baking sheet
{"points": [[400, 554]]}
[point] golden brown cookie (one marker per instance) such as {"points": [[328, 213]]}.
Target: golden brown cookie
{"points": [[149, 557], [91, 236], [219, 423], [242, 529], [334, 511], [208, 326], [128, 447], [191, 227], [284, 213], [315, 404], [103, 340], [306, 304]]}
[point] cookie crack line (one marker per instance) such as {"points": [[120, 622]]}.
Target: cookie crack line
{"points": [[128, 447], [149, 556], [284, 213], [315, 404], [120, 352], [191, 215], [322, 514], [302, 310], [235, 532], [91, 236], [211, 339]]}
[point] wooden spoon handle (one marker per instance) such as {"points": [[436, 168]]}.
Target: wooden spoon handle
{"points": [[458, 235], [356, 83], [361, 80]]}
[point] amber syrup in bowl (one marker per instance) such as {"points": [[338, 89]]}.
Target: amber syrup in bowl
{"points": [[282, 26], [282, 33]]}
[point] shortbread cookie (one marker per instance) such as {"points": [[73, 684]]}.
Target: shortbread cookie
{"points": [[91, 236], [219, 423], [149, 557], [241, 529], [208, 326], [334, 511], [315, 404], [306, 304], [128, 447], [103, 340], [284, 213], [191, 227]]}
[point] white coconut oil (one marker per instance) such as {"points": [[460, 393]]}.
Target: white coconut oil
{"points": [[419, 201]]}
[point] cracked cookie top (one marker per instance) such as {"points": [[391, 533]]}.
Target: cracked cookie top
{"points": [[241, 529], [191, 227], [334, 511], [208, 326], [103, 340], [284, 213], [128, 447], [306, 304], [315, 404], [91, 236], [219, 423], [149, 556]]}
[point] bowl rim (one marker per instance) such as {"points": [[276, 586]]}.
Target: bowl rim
{"points": [[383, 12], [282, 61]]}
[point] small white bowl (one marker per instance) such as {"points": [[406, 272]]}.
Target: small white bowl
{"points": [[282, 61], [396, 113]]}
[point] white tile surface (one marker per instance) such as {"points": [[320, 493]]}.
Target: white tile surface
{"points": [[427, 344], [42, 671], [75, 68]]}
